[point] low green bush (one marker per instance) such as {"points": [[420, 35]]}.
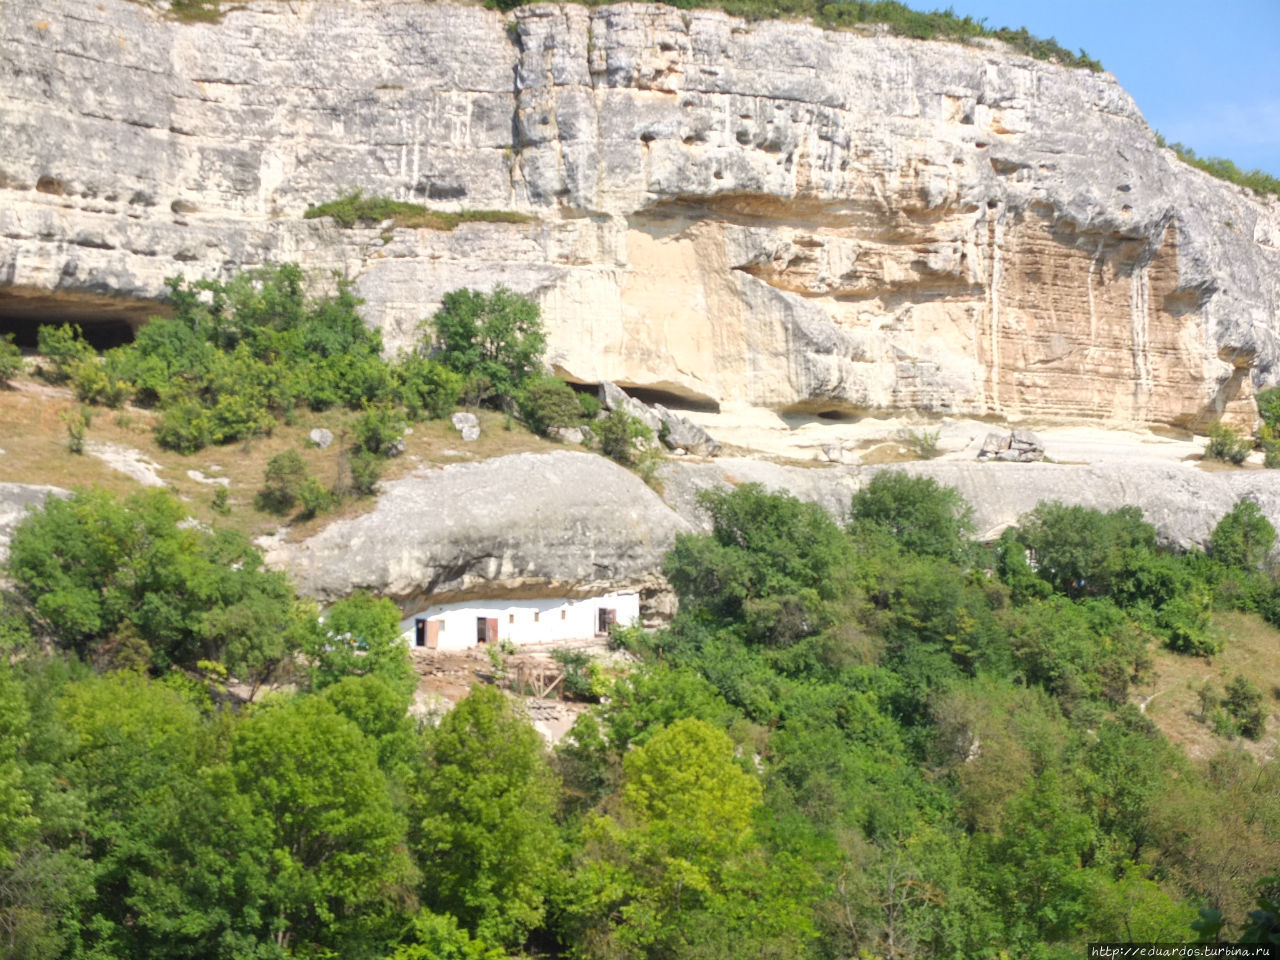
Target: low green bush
{"points": [[1227, 444], [355, 209], [10, 359]]}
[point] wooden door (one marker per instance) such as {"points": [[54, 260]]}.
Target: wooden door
{"points": [[491, 630], [433, 634]]}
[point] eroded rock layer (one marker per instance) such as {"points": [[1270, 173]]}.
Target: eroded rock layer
{"points": [[757, 214]]}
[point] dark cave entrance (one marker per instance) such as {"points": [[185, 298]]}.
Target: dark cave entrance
{"points": [[106, 322]]}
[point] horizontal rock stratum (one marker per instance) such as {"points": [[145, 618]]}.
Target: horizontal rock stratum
{"points": [[738, 214]]}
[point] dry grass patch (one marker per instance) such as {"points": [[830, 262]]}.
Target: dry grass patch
{"points": [[34, 439], [1252, 648]]}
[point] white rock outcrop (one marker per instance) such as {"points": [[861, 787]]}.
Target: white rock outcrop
{"points": [[738, 214]]}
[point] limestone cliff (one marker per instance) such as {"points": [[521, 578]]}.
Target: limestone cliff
{"points": [[739, 214]]}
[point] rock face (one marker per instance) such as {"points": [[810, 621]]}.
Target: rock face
{"points": [[727, 213], [1182, 502], [560, 524]]}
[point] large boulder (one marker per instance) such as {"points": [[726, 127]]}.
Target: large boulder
{"points": [[561, 524]]}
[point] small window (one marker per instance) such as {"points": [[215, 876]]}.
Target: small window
{"points": [[563, 612], [511, 618], [441, 622], [536, 616]]}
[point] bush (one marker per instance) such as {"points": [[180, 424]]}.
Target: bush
{"points": [[355, 208], [1245, 704], [1227, 444], [10, 359], [282, 482], [183, 427], [378, 427], [365, 468], [1243, 537], [621, 437], [1084, 552], [923, 443], [63, 347], [547, 402], [427, 388]]}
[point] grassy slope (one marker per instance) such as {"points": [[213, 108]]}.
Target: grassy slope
{"points": [[1252, 648], [35, 451]]}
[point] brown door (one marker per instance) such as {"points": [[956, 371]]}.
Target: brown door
{"points": [[491, 630], [433, 634]]}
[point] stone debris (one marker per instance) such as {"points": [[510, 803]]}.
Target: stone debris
{"points": [[320, 437], [1018, 446], [467, 424], [670, 429]]}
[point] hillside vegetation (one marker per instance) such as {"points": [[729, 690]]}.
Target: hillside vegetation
{"points": [[878, 740]]}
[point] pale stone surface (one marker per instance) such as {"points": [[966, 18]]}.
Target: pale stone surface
{"points": [[16, 501], [762, 215], [321, 437], [467, 424], [132, 463], [1182, 501], [557, 524]]}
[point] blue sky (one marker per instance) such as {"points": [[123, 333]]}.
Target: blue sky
{"points": [[1207, 74]]}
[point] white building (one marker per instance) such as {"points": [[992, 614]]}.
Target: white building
{"points": [[458, 626]]}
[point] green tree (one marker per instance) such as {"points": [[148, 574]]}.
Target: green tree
{"points": [[62, 347], [922, 515], [1084, 552], [771, 564], [108, 578], [483, 808], [359, 635], [620, 434], [680, 870], [497, 336], [1243, 537], [282, 482], [310, 784]]}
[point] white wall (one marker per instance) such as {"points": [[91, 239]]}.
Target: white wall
{"points": [[524, 621]]}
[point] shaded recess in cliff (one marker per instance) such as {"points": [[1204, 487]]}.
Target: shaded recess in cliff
{"points": [[106, 322]]}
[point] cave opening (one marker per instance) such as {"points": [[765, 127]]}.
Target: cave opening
{"points": [[105, 322]]}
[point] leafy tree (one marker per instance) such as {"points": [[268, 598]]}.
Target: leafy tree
{"points": [[437, 936], [102, 575], [483, 811], [496, 336], [358, 636], [1081, 551], [283, 481], [770, 564], [921, 515], [1243, 537], [620, 434], [679, 871], [1228, 444], [309, 783]]}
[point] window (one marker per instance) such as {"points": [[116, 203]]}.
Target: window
{"points": [[511, 618], [536, 616], [563, 612]]}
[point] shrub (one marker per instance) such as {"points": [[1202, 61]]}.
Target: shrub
{"points": [[10, 359], [365, 469], [427, 388], [923, 443], [1244, 703], [94, 382], [355, 208], [378, 427], [1227, 444], [282, 482], [77, 423], [62, 347], [183, 427], [1243, 537], [547, 402], [620, 434], [220, 502]]}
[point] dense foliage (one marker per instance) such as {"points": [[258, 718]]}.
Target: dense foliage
{"points": [[877, 740], [1258, 181]]}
